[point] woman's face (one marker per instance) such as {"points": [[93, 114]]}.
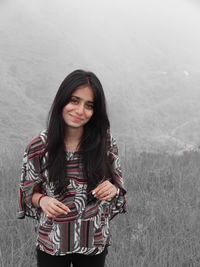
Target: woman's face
{"points": [[79, 110]]}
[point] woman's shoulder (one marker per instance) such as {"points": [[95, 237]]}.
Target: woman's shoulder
{"points": [[37, 144], [111, 141]]}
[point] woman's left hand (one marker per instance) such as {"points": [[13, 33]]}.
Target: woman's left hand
{"points": [[105, 191]]}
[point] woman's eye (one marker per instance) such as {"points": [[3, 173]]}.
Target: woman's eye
{"points": [[89, 106], [74, 101]]}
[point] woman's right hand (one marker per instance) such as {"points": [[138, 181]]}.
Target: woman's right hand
{"points": [[52, 207]]}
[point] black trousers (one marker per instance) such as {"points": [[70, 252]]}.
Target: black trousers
{"points": [[78, 260]]}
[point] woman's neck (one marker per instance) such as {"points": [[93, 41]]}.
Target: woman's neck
{"points": [[73, 138]]}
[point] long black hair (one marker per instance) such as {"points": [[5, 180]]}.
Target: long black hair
{"points": [[94, 141]]}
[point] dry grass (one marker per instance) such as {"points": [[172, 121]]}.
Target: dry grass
{"points": [[162, 224], [17, 238], [161, 227]]}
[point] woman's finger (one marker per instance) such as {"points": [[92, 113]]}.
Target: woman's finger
{"points": [[108, 188], [63, 206], [59, 210], [102, 185], [51, 213], [101, 188], [106, 192], [103, 193], [53, 207]]}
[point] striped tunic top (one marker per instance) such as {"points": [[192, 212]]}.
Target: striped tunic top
{"points": [[86, 228]]}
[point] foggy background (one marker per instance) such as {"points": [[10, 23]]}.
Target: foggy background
{"points": [[146, 54]]}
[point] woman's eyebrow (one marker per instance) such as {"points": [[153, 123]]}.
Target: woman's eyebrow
{"points": [[77, 97]]}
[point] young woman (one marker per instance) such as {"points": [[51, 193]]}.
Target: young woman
{"points": [[71, 180]]}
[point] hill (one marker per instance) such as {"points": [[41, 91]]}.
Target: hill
{"points": [[149, 67]]}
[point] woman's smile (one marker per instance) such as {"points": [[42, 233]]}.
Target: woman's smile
{"points": [[75, 118], [79, 110]]}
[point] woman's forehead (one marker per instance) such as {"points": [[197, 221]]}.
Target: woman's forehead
{"points": [[84, 92]]}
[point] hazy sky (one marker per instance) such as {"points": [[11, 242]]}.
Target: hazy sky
{"points": [[145, 52], [97, 28]]}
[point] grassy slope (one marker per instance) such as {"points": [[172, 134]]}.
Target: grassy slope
{"points": [[161, 227]]}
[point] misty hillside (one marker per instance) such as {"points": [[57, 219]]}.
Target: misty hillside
{"points": [[146, 56]]}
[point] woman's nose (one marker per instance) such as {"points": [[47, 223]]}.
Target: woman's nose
{"points": [[80, 109]]}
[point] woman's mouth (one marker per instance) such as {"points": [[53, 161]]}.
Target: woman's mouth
{"points": [[75, 118]]}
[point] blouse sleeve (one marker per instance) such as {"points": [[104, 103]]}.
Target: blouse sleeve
{"points": [[30, 177], [118, 203]]}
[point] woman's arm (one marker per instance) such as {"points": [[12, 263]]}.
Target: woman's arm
{"points": [[36, 196], [50, 206], [105, 191]]}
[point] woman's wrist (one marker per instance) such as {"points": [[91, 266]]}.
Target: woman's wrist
{"points": [[36, 199], [39, 200]]}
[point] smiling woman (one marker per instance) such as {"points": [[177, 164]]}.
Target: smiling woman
{"points": [[80, 108], [71, 180]]}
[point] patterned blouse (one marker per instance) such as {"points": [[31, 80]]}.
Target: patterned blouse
{"points": [[86, 228]]}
